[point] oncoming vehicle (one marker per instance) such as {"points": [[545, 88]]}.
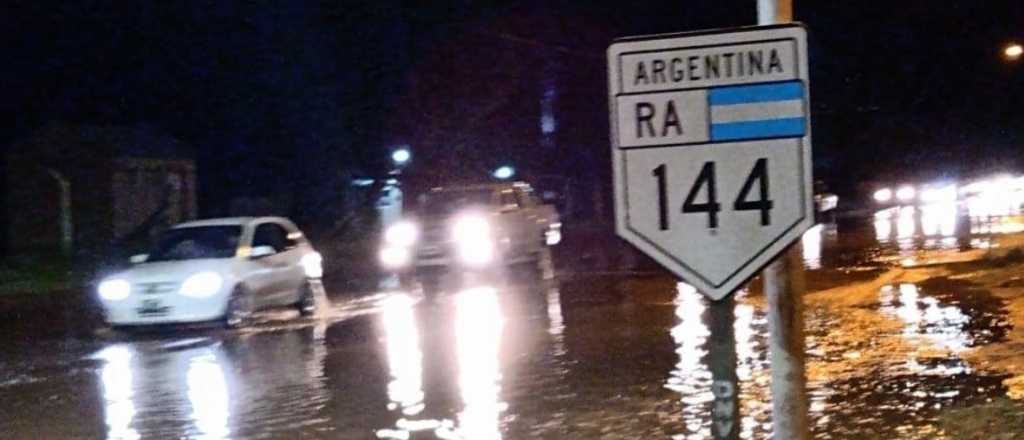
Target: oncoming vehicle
{"points": [[474, 228], [218, 269]]}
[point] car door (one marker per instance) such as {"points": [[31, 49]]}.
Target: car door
{"points": [[513, 224], [294, 276], [273, 270], [533, 223]]}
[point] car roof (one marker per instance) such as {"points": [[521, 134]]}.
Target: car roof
{"points": [[231, 221]]}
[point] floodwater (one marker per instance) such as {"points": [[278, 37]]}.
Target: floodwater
{"points": [[565, 359]]}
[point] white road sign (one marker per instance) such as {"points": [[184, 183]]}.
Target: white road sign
{"points": [[711, 142]]}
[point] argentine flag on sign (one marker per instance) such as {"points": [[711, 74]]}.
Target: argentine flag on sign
{"points": [[757, 111]]}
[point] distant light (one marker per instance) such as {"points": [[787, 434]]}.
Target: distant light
{"points": [[1013, 51], [504, 172], [906, 193], [883, 195], [394, 257], [939, 194], [401, 156]]}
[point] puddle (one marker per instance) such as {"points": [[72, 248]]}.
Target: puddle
{"points": [[494, 363], [914, 369]]}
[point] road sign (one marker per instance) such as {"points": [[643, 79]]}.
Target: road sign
{"points": [[711, 143]]}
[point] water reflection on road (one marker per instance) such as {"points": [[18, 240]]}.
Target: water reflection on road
{"points": [[118, 392], [693, 378], [948, 225], [527, 359], [210, 388]]}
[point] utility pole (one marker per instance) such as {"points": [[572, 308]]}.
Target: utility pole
{"points": [[784, 289], [66, 223]]}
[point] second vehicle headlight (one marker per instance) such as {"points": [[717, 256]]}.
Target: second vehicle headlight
{"points": [[472, 235], [471, 228], [403, 233], [202, 284]]}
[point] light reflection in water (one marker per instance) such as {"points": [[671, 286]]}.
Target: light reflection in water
{"points": [[883, 227], [405, 359], [811, 241], [923, 317], [116, 377], [692, 377], [208, 395], [478, 326], [939, 219], [905, 225], [556, 325], [936, 225], [747, 365]]}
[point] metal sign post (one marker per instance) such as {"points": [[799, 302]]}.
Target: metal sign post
{"points": [[721, 359]]}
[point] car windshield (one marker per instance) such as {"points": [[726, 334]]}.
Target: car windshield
{"points": [[197, 242], [448, 202]]}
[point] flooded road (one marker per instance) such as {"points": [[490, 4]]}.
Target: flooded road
{"points": [[571, 358]]}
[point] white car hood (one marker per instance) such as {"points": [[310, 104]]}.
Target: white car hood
{"points": [[174, 271]]}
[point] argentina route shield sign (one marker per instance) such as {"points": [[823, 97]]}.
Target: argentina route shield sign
{"points": [[711, 149]]}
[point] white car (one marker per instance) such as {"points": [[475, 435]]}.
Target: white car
{"points": [[218, 269]]}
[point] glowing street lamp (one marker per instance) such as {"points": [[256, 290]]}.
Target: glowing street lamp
{"points": [[401, 156], [1013, 51], [504, 172]]}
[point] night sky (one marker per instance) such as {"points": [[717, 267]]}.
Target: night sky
{"points": [[301, 95]]}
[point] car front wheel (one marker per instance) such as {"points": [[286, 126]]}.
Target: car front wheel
{"points": [[307, 300], [239, 308]]}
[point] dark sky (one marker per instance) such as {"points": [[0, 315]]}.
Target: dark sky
{"points": [[301, 94]]}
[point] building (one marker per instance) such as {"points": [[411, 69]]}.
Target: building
{"points": [[86, 190]]}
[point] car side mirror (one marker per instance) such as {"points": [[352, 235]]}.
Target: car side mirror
{"points": [[261, 251], [139, 259]]}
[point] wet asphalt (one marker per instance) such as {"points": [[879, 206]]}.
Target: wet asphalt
{"points": [[579, 356]]}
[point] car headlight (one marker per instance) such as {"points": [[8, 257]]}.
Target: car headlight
{"points": [[312, 264], [471, 228], [906, 193], [114, 290], [394, 257], [472, 234], [883, 195], [201, 284], [476, 253], [403, 233]]}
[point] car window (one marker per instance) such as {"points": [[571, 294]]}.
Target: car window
{"points": [[196, 242], [451, 201], [273, 235], [525, 198], [293, 239], [509, 199]]}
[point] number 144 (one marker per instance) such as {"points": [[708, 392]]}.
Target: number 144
{"points": [[706, 183]]}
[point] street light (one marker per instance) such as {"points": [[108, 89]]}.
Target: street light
{"points": [[401, 156], [1013, 51], [504, 172]]}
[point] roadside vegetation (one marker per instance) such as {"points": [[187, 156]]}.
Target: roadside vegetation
{"points": [[37, 274]]}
